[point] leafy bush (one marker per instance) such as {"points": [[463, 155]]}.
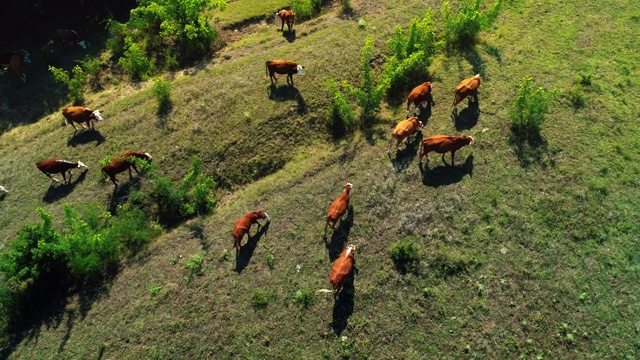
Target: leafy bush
{"points": [[271, 261], [164, 32], [260, 299], [368, 95], [304, 298], [530, 109], [340, 119], [74, 83], [462, 28], [306, 9], [135, 61], [169, 199], [162, 91], [411, 53], [194, 265], [577, 98], [405, 255], [131, 228]]}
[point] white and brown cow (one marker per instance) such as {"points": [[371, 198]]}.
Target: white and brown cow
{"points": [[283, 67], [81, 115]]}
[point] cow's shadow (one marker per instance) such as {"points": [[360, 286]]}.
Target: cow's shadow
{"points": [[405, 156], [422, 113], [3, 195], [121, 193], [290, 36], [446, 174], [246, 251], [343, 306], [284, 93], [468, 117], [60, 191], [340, 235], [85, 137]]}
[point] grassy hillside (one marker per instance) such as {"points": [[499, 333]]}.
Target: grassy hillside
{"points": [[527, 251]]}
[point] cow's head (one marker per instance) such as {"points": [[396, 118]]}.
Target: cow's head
{"points": [[82, 44], [351, 249], [82, 165], [263, 215], [149, 158], [278, 13], [468, 138], [299, 68], [25, 56], [96, 115], [348, 187]]}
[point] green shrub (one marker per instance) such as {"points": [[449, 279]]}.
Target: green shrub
{"points": [[271, 261], [306, 9], [161, 90], [135, 61], [405, 255], [131, 227], [577, 98], [340, 119], [450, 262], [260, 299], [194, 265], [584, 79], [369, 94], [169, 199], [74, 83], [463, 27], [304, 298], [530, 109]]}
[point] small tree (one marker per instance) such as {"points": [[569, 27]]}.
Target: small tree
{"points": [[462, 28], [340, 119], [162, 91], [74, 83], [369, 94], [530, 109]]}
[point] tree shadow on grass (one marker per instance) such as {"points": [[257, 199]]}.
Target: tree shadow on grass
{"points": [[60, 191], [85, 137], [446, 174], [339, 236], [246, 251], [405, 156], [372, 134], [343, 306], [162, 115], [468, 117], [121, 193], [532, 149], [284, 93]]}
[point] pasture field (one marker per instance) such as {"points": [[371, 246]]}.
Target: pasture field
{"points": [[525, 251]]}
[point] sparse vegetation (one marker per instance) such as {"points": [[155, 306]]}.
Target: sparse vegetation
{"points": [[304, 298], [405, 255], [162, 92]]}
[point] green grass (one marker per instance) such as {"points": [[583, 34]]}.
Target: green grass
{"points": [[532, 253], [237, 11]]}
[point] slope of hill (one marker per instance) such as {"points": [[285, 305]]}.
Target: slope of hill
{"points": [[527, 252]]}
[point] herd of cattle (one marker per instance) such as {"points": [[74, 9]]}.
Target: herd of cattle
{"points": [[420, 96]]}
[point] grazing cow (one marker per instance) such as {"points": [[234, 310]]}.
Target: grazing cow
{"points": [[403, 130], [287, 16], [123, 162], [420, 95], [338, 208], [2, 188], [442, 144], [68, 36], [81, 115], [54, 166], [15, 61], [283, 67], [467, 87], [243, 225], [342, 269]]}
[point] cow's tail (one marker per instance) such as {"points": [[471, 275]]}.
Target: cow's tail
{"points": [[266, 68], [324, 291]]}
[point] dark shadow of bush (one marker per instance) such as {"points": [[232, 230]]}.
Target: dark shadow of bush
{"points": [[532, 149]]}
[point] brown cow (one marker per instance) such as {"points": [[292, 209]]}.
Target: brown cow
{"points": [[442, 144], [338, 208], [467, 87], [342, 269], [283, 67], [81, 115], [15, 61], [68, 36], [243, 225], [287, 16], [403, 130], [54, 166], [420, 95], [123, 162]]}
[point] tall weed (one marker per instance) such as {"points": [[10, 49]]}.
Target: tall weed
{"points": [[340, 119], [461, 29], [75, 83], [530, 108]]}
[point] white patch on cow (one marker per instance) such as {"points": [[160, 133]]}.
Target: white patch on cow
{"points": [[277, 14], [82, 165], [349, 249], [349, 185], [299, 70], [3, 189], [148, 156], [267, 217], [471, 140], [97, 116], [81, 43]]}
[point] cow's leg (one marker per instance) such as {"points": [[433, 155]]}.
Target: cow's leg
{"points": [[113, 180], [444, 162], [453, 153], [134, 168], [282, 27]]}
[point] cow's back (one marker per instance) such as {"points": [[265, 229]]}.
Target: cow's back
{"points": [[341, 269], [76, 113], [438, 143], [405, 128], [470, 84]]}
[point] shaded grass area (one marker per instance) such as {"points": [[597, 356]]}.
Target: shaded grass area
{"points": [[518, 261]]}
